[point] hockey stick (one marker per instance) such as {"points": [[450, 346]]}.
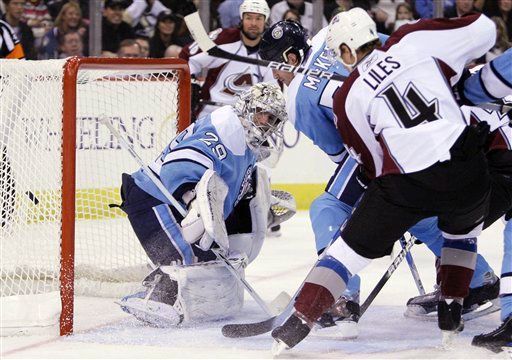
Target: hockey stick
{"points": [[412, 266], [253, 329], [206, 44], [183, 212]]}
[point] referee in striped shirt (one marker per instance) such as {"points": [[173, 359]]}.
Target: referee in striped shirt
{"points": [[10, 47]]}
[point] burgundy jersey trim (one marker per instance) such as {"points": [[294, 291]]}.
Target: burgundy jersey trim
{"points": [[496, 140], [389, 164], [226, 36], [349, 135], [429, 24]]}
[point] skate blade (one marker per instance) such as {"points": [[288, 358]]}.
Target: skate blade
{"points": [[448, 337], [343, 330], [152, 313], [487, 308], [279, 348]]}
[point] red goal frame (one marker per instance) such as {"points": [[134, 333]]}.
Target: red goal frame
{"points": [[71, 68]]}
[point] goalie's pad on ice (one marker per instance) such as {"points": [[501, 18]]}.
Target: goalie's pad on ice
{"points": [[208, 291], [203, 291]]}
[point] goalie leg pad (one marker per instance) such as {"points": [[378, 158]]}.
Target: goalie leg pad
{"points": [[208, 291]]}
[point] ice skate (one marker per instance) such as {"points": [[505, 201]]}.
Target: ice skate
{"points": [[450, 320], [481, 301], [340, 322], [497, 340], [286, 336]]}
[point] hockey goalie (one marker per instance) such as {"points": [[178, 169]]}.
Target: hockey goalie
{"points": [[210, 168]]}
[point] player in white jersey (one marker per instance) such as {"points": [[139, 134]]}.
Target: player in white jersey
{"points": [[398, 118], [224, 78], [309, 105], [210, 169]]}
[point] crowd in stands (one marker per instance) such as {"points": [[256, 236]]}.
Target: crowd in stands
{"points": [[51, 29]]}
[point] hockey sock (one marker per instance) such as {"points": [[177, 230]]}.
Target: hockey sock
{"points": [[322, 288], [458, 260], [427, 231], [506, 273]]}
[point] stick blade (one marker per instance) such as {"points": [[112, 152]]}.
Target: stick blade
{"points": [[196, 28], [248, 330]]}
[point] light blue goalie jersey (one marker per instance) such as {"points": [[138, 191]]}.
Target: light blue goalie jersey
{"points": [[492, 82], [217, 142], [310, 99]]}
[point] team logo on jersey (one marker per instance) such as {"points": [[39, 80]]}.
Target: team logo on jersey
{"points": [[236, 83], [246, 184], [277, 33]]}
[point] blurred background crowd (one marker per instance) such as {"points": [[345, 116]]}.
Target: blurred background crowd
{"points": [[51, 29]]}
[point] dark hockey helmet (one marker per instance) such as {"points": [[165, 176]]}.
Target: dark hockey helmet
{"points": [[283, 38]]}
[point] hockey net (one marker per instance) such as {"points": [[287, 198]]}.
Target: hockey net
{"points": [[61, 169]]}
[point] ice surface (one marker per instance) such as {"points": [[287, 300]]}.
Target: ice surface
{"points": [[102, 330]]}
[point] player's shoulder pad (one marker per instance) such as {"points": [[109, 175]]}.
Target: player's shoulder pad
{"points": [[219, 37], [230, 129]]}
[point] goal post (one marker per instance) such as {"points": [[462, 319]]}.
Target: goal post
{"points": [[61, 169]]}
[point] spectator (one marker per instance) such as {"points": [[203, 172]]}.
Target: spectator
{"points": [[461, 7], [37, 16], [173, 51], [332, 8], [142, 15], [69, 18], [229, 13], [55, 7], [505, 12], [71, 44], [292, 15], [165, 30], [143, 42], [13, 14], [305, 10], [129, 48], [502, 40], [114, 29], [404, 15]]}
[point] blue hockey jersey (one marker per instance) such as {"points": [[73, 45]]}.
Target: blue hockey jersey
{"points": [[217, 142]]}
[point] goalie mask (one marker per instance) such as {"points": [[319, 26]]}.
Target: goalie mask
{"points": [[262, 112]]}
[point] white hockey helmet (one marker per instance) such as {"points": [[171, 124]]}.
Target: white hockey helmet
{"points": [[255, 6], [261, 98], [353, 28]]}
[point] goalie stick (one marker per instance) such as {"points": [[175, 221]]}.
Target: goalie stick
{"points": [[262, 327], [199, 34], [183, 212]]}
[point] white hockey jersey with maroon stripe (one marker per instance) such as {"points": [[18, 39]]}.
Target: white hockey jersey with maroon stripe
{"points": [[500, 137], [396, 112], [224, 78]]}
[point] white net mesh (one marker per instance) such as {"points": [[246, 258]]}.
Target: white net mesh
{"points": [[109, 260]]}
